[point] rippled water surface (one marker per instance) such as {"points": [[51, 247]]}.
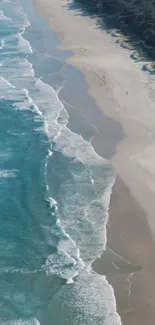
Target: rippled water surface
{"points": [[54, 188]]}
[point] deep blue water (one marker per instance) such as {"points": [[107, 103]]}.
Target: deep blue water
{"points": [[54, 188]]}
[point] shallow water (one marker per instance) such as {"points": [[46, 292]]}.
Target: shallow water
{"points": [[54, 188]]}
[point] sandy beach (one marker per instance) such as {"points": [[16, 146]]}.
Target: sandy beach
{"points": [[124, 93], [129, 261]]}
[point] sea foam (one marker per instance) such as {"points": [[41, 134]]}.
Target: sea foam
{"points": [[82, 201]]}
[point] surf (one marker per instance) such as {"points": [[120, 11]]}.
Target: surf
{"points": [[75, 196]]}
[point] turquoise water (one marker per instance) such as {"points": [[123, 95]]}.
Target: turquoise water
{"points": [[54, 188]]}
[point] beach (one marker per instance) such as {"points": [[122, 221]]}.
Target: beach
{"points": [[55, 188], [124, 93]]}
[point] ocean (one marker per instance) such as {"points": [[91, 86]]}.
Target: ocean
{"points": [[54, 188]]}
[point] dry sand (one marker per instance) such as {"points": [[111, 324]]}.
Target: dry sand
{"points": [[125, 93]]}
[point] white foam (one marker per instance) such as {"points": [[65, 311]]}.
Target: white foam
{"points": [[70, 281], [91, 296], [11, 270], [7, 82], [20, 321], [5, 173], [94, 298], [25, 21], [73, 145], [66, 262], [84, 198], [53, 203], [20, 44], [36, 108], [50, 153], [1, 46], [58, 221], [91, 209], [3, 17], [46, 103], [63, 265], [24, 44]]}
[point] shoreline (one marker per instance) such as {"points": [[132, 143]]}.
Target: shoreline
{"points": [[138, 135], [126, 263], [116, 83]]}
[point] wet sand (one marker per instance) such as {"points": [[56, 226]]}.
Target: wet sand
{"points": [[126, 136], [129, 261], [126, 263]]}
